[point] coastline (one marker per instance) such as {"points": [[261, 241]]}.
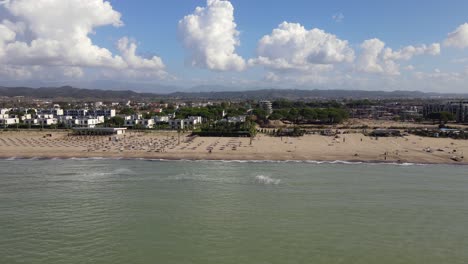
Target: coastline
{"points": [[238, 160], [349, 148]]}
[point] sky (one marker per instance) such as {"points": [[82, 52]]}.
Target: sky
{"points": [[237, 44]]}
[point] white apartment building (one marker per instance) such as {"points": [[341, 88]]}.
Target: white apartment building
{"points": [[26, 117], [94, 113], [190, 122], [102, 112], [176, 124], [57, 112], [31, 121], [148, 123], [41, 121], [45, 116], [47, 121], [234, 119], [267, 106], [83, 122], [195, 120], [75, 112], [161, 119], [9, 121], [130, 122], [144, 123]]}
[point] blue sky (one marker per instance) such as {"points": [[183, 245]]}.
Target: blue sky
{"points": [[398, 23], [421, 55]]}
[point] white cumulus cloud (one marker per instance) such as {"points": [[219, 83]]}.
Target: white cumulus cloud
{"points": [[211, 37], [458, 38], [128, 48], [376, 58], [409, 52], [55, 33], [292, 47]]}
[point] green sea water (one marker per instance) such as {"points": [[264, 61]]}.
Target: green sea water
{"points": [[135, 211]]}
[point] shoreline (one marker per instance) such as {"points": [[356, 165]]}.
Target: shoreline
{"points": [[304, 161]]}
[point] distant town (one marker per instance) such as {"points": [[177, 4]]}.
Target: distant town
{"points": [[233, 118]]}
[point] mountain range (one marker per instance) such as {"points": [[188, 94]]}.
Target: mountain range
{"points": [[69, 92]]}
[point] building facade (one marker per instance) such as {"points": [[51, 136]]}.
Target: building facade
{"points": [[458, 109]]}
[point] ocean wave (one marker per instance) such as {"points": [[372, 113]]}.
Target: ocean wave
{"points": [[116, 172], [267, 180]]}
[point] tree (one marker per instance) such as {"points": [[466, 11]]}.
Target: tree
{"points": [[260, 113], [147, 115], [446, 116], [276, 116], [293, 115], [115, 121], [443, 117], [127, 111]]}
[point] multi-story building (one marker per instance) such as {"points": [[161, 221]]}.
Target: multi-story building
{"points": [[267, 106], [47, 121], [9, 121], [190, 122], [161, 119], [75, 112], [108, 113], [234, 119], [84, 122], [458, 109]]}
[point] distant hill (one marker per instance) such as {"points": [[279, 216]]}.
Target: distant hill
{"points": [[313, 94], [68, 92]]}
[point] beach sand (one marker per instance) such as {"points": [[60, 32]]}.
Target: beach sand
{"points": [[349, 147]]}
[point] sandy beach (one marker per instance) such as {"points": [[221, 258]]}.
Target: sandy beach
{"points": [[348, 147]]}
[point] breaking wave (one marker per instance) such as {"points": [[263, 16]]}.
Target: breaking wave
{"points": [[262, 179]]}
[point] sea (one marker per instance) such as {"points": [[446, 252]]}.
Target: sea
{"points": [[201, 212]]}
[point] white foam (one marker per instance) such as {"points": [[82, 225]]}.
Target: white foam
{"points": [[316, 162], [262, 179]]}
